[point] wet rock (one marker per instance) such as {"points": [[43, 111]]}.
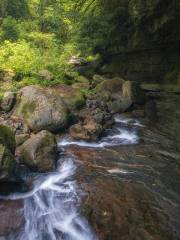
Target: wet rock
{"points": [[171, 88], [39, 151], [132, 91], [7, 150], [138, 113], [151, 110], [45, 75], [120, 105], [8, 101], [120, 210], [87, 132], [12, 219]]}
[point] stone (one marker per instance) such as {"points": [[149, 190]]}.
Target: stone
{"points": [[8, 101], [21, 138], [138, 113], [39, 151], [132, 91], [47, 108], [45, 75], [87, 132], [119, 106], [7, 150], [169, 88], [112, 86]]}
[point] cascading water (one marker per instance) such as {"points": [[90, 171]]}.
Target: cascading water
{"points": [[51, 208]]}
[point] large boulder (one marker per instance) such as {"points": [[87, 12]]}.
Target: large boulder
{"points": [[7, 150], [113, 94], [39, 151], [47, 108], [8, 101], [131, 90], [113, 85]]}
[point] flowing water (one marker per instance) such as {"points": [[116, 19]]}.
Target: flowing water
{"points": [[52, 208]]}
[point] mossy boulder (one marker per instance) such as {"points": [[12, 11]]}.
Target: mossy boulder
{"points": [[39, 151], [7, 150], [8, 101], [47, 108], [112, 86]]}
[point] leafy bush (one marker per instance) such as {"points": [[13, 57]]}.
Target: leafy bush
{"points": [[20, 57], [9, 29]]}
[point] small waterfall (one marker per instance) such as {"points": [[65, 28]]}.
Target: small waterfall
{"points": [[116, 136], [51, 209]]}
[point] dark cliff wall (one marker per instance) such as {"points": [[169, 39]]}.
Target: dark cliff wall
{"points": [[150, 50]]}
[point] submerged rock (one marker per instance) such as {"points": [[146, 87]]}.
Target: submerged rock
{"points": [[39, 151], [12, 219], [7, 150]]}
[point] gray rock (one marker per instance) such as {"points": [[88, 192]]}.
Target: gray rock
{"points": [[47, 108], [8, 101], [39, 151]]}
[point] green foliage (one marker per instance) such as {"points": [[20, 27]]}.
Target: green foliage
{"points": [[19, 57], [45, 34], [9, 29]]}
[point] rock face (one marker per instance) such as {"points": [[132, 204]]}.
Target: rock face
{"points": [[149, 48], [7, 150], [39, 151], [47, 108], [8, 101], [132, 91]]}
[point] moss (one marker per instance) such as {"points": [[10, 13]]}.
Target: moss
{"points": [[172, 76], [7, 138], [27, 108], [7, 159]]}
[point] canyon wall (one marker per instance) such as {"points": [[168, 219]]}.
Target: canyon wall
{"points": [[146, 47]]}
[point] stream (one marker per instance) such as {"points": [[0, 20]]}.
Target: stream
{"points": [[132, 151]]}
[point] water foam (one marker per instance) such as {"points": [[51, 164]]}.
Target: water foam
{"points": [[127, 121], [119, 137], [51, 209]]}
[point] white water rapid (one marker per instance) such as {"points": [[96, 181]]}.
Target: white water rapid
{"points": [[52, 207]]}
